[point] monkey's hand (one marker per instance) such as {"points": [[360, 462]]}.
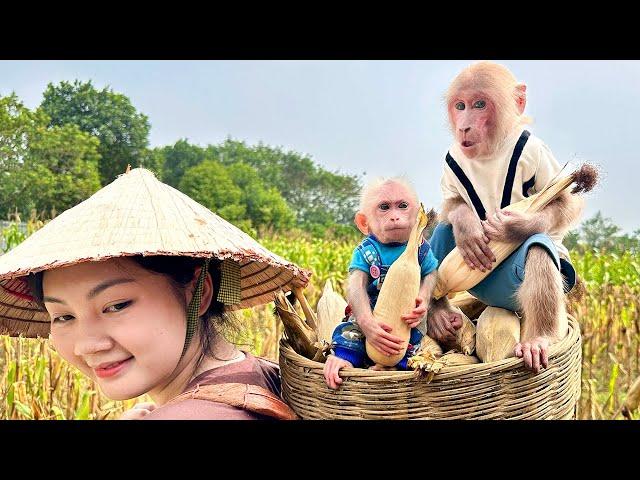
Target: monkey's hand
{"points": [[508, 226], [442, 325], [413, 318], [331, 371], [379, 336], [535, 353], [471, 240]]}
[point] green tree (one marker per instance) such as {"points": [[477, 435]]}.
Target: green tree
{"points": [[43, 169], [266, 209], [210, 184], [315, 195], [571, 240], [599, 232], [178, 158], [110, 117]]}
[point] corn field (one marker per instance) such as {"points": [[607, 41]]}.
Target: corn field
{"points": [[38, 384]]}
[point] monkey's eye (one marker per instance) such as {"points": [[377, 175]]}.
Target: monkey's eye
{"points": [[384, 206], [403, 205], [480, 104], [460, 106]]}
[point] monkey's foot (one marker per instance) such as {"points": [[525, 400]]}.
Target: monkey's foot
{"points": [[534, 352]]}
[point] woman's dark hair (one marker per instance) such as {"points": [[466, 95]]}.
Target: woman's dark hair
{"points": [[180, 271]]}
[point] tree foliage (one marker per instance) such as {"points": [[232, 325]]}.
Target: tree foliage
{"points": [[316, 197], [108, 116], [46, 169]]}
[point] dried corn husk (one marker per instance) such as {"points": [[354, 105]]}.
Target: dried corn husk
{"points": [[632, 401], [330, 312], [470, 305], [454, 275], [451, 359], [398, 293], [427, 364], [497, 333], [309, 314], [301, 337], [428, 344], [466, 338]]}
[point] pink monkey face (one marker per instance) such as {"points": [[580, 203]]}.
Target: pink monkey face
{"points": [[473, 118], [392, 213]]}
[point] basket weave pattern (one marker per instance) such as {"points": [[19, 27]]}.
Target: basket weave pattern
{"points": [[497, 390]]}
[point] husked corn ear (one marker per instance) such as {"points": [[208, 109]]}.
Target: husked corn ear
{"points": [[497, 333], [330, 312], [470, 305], [302, 338], [398, 294], [451, 359], [466, 338], [454, 275]]}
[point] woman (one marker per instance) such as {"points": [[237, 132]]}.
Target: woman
{"points": [[132, 285]]}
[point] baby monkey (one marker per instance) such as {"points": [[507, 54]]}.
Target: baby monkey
{"points": [[387, 214]]}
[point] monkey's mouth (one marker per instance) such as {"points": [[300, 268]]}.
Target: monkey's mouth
{"points": [[467, 143]]}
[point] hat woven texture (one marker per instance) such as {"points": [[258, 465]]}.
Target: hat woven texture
{"points": [[136, 214]]}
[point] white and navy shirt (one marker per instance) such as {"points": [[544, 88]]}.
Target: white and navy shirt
{"points": [[522, 167]]}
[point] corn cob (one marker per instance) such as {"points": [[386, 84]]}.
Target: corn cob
{"points": [[428, 344], [470, 305], [398, 293], [454, 275], [451, 359], [497, 333], [466, 337], [330, 312]]}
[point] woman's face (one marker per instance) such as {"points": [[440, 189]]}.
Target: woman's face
{"points": [[118, 323]]}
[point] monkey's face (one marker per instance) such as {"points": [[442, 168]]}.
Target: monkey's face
{"points": [[472, 114], [391, 213]]}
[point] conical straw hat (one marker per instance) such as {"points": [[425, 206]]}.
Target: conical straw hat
{"points": [[134, 215]]}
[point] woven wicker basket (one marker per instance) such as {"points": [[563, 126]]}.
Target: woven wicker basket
{"points": [[496, 390]]}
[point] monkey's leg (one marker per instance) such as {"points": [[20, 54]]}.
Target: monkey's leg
{"points": [[541, 297]]}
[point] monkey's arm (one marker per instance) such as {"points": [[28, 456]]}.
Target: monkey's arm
{"points": [[378, 335], [469, 234], [442, 322], [357, 296], [427, 284], [558, 215], [562, 213]]}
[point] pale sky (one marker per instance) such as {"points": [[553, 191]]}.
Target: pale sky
{"points": [[378, 117]]}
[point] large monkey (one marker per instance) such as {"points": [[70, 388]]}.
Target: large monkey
{"points": [[493, 162]]}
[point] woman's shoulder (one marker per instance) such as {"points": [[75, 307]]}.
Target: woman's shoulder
{"points": [[251, 370], [196, 409]]}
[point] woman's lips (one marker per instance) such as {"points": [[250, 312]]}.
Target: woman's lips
{"points": [[111, 369]]}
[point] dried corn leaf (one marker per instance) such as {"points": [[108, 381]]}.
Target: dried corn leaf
{"points": [[301, 337]]}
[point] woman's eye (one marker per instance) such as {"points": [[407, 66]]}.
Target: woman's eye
{"points": [[118, 306], [480, 104], [403, 205], [384, 206], [62, 319], [460, 106]]}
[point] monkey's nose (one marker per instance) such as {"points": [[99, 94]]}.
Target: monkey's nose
{"points": [[465, 129]]}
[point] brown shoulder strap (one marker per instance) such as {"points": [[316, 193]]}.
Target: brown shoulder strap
{"points": [[241, 395]]}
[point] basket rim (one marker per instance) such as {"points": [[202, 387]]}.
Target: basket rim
{"points": [[556, 350]]}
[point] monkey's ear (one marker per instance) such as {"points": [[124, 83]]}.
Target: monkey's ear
{"points": [[521, 97], [361, 223]]}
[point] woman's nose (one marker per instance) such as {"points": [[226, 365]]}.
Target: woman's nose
{"points": [[90, 338]]}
